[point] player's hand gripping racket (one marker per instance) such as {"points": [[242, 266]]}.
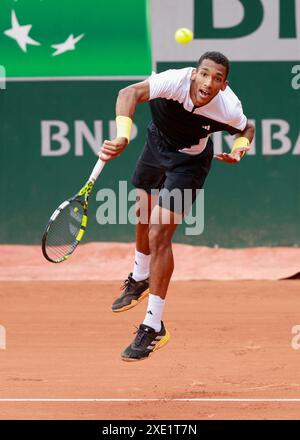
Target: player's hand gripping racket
{"points": [[68, 222]]}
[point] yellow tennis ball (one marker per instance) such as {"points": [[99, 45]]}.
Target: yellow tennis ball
{"points": [[75, 209], [183, 35]]}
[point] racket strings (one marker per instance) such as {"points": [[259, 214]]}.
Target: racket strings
{"points": [[61, 237]]}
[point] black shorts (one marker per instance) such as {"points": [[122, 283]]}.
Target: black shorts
{"points": [[162, 168]]}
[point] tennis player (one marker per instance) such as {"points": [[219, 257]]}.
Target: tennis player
{"points": [[187, 105]]}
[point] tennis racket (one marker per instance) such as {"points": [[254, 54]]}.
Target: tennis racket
{"points": [[68, 222]]}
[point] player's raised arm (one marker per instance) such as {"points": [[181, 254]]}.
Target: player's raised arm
{"points": [[127, 100], [240, 145], [129, 97], [248, 132]]}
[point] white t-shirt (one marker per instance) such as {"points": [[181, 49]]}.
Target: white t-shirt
{"points": [[223, 112]]}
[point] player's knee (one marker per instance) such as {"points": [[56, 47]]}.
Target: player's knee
{"points": [[159, 238]]}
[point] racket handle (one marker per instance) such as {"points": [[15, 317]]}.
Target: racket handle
{"points": [[97, 170]]}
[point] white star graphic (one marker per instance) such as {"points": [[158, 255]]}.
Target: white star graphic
{"points": [[20, 33], [69, 44]]}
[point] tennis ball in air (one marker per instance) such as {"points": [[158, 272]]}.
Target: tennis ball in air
{"points": [[76, 209], [183, 35]]}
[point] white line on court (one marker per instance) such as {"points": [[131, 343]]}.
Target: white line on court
{"points": [[75, 78], [107, 400]]}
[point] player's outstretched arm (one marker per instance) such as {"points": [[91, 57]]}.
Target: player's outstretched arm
{"points": [[127, 100], [240, 145]]}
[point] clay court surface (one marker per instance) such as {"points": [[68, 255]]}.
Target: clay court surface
{"points": [[229, 340]]}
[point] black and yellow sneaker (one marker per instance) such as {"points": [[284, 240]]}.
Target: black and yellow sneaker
{"points": [[133, 293], [147, 341]]}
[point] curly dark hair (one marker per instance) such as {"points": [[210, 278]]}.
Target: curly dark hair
{"points": [[217, 57]]}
